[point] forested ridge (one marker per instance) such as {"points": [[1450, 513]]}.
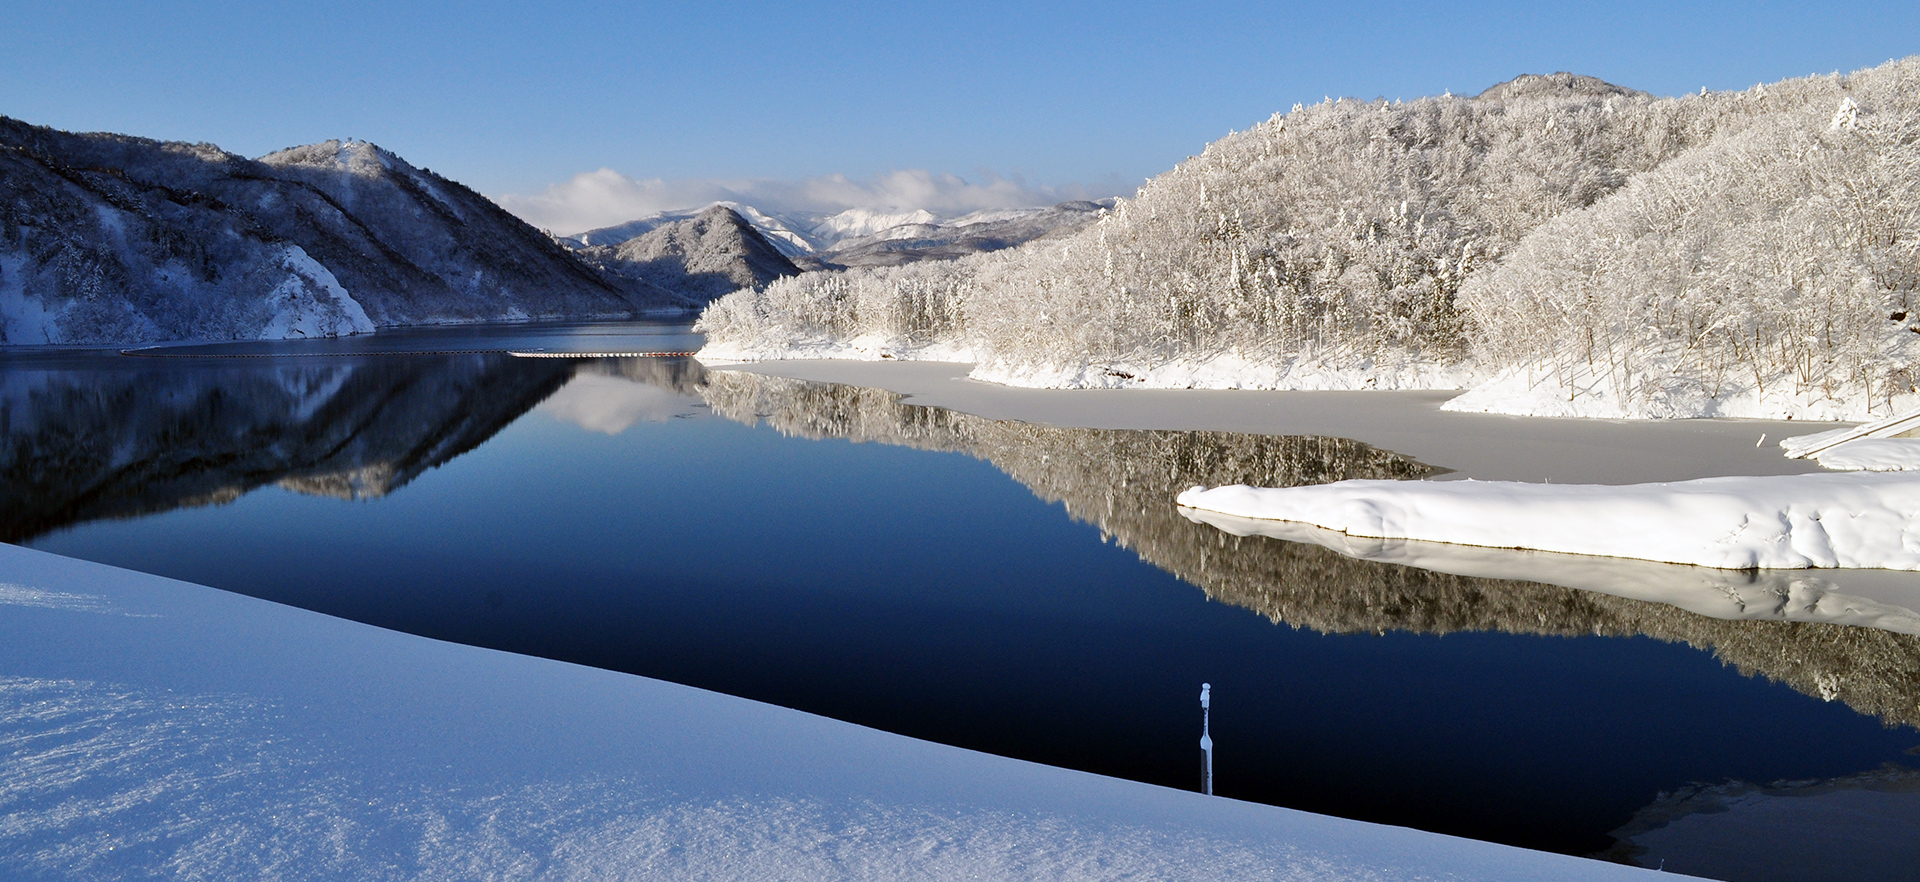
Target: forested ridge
{"points": [[1560, 244]]}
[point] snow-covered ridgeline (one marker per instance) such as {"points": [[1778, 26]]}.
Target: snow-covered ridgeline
{"points": [[1563, 246], [1781, 522], [151, 727], [119, 240]]}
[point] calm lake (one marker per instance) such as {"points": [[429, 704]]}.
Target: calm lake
{"points": [[1022, 590]]}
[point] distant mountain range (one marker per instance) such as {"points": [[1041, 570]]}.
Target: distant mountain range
{"points": [[710, 254], [112, 239], [867, 237]]}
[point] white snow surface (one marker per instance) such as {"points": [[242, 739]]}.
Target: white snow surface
{"points": [[1873, 455], [1591, 394], [867, 221], [1857, 598], [870, 347], [1874, 447], [1221, 372], [1229, 372], [311, 303], [156, 729], [1862, 520]]}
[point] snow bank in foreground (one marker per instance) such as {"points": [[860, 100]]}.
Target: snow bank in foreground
{"points": [[156, 729], [1733, 595], [1785, 522]]}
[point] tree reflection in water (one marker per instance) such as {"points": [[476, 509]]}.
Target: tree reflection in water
{"points": [[1124, 481], [79, 445]]}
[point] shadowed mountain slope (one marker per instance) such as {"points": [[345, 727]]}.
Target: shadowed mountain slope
{"points": [[114, 239]]}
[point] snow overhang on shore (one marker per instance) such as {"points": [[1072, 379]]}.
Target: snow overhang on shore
{"points": [[153, 728], [1741, 523], [1882, 599]]}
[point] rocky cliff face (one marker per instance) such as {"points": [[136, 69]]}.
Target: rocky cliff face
{"points": [[114, 239], [713, 253]]}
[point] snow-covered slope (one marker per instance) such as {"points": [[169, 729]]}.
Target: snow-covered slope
{"points": [[866, 237], [789, 233], [713, 253], [156, 729], [114, 239], [974, 233], [1560, 245]]}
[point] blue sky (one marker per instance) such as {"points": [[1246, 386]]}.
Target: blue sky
{"points": [[515, 98]]}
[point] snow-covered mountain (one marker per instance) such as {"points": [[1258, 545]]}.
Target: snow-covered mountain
{"points": [[868, 237], [713, 253], [989, 230], [788, 233], [114, 239], [1560, 245]]}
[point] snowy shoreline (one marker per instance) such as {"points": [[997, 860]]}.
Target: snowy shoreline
{"points": [[1852, 520], [1476, 389], [155, 727]]}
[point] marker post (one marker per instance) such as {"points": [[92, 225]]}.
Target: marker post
{"points": [[1206, 739]]}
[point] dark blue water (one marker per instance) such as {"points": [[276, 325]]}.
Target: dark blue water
{"points": [[917, 591]]}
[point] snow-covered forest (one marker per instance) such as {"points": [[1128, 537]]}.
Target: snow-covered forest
{"points": [[1557, 244]]}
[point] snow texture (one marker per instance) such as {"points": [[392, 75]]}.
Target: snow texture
{"points": [[1872, 455], [1740, 523], [166, 730]]}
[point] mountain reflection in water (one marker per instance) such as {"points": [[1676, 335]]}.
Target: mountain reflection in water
{"points": [[146, 437], [83, 445], [970, 613], [1124, 482]]}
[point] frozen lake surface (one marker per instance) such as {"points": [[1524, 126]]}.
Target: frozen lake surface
{"points": [[841, 550]]}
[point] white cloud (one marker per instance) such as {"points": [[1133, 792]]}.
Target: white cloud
{"points": [[599, 403], [606, 197]]}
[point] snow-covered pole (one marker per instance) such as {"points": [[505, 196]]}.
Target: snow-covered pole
{"points": [[1206, 740]]}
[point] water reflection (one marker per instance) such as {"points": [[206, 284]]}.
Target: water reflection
{"points": [[128, 437], [1124, 481], [1782, 595], [547, 542], [84, 444], [1854, 827]]}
